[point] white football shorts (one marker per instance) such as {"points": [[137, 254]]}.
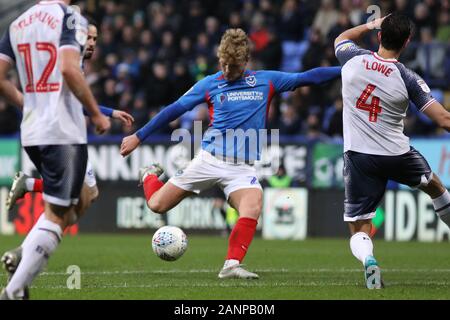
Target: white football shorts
{"points": [[89, 177], [205, 170]]}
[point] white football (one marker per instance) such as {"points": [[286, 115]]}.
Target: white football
{"points": [[169, 243]]}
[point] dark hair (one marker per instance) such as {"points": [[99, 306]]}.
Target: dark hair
{"points": [[91, 21], [395, 31]]}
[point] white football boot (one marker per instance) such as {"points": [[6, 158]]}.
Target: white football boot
{"points": [[237, 272], [18, 190], [10, 261], [372, 274], [155, 169]]}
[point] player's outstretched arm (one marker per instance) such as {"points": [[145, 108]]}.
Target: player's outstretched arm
{"points": [[286, 81], [196, 95], [439, 115], [167, 115], [318, 76], [356, 33], [72, 74], [7, 88], [126, 118]]}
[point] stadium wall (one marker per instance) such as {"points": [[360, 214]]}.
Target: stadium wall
{"points": [[313, 208]]}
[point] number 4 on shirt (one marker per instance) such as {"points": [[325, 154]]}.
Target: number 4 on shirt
{"points": [[374, 107]]}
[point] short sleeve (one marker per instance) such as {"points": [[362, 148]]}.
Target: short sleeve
{"points": [[347, 49], [74, 30], [6, 50], [196, 95], [418, 91]]}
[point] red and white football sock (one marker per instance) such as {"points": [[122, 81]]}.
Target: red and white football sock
{"points": [[35, 185], [240, 239], [151, 185]]}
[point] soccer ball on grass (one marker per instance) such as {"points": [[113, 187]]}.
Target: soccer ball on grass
{"points": [[169, 243]]}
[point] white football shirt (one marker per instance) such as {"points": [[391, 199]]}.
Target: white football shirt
{"points": [[52, 115], [376, 93]]}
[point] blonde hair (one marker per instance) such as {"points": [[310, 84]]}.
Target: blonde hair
{"points": [[234, 47]]}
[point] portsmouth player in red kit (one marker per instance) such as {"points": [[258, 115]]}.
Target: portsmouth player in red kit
{"points": [[377, 90], [238, 99]]}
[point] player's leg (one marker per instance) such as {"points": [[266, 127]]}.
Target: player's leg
{"points": [[197, 176], [61, 190], [415, 172], [244, 193], [219, 205], [364, 189], [89, 194], [440, 198], [11, 258], [22, 184], [160, 196]]}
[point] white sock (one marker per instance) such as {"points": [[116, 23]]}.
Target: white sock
{"points": [[442, 207], [29, 184], [361, 246], [25, 241], [229, 263], [43, 241]]}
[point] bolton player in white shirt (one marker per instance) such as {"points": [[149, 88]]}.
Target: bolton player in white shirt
{"points": [[23, 183], [46, 44], [377, 90]]}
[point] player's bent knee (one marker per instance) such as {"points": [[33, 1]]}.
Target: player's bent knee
{"points": [[434, 188], [156, 206], [251, 212]]}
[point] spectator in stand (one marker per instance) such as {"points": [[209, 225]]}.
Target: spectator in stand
{"points": [[168, 49], [343, 24], [291, 26], [333, 124], [259, 34], [159, 87], [326, 17], [182, 80], [290, 122], [443, 31], [313, 56], [422, 18], [430, 56], [140, 111], [212, 30], [273, 53], [194, 22], [235, 21]]}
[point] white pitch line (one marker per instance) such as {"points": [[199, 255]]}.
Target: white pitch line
{"points": [[281, 270], [245, 284]]}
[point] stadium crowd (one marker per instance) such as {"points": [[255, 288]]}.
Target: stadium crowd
{"points": [[151, 52]]}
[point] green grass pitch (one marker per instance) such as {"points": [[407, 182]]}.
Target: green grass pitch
{"points": [[124, 267]]}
